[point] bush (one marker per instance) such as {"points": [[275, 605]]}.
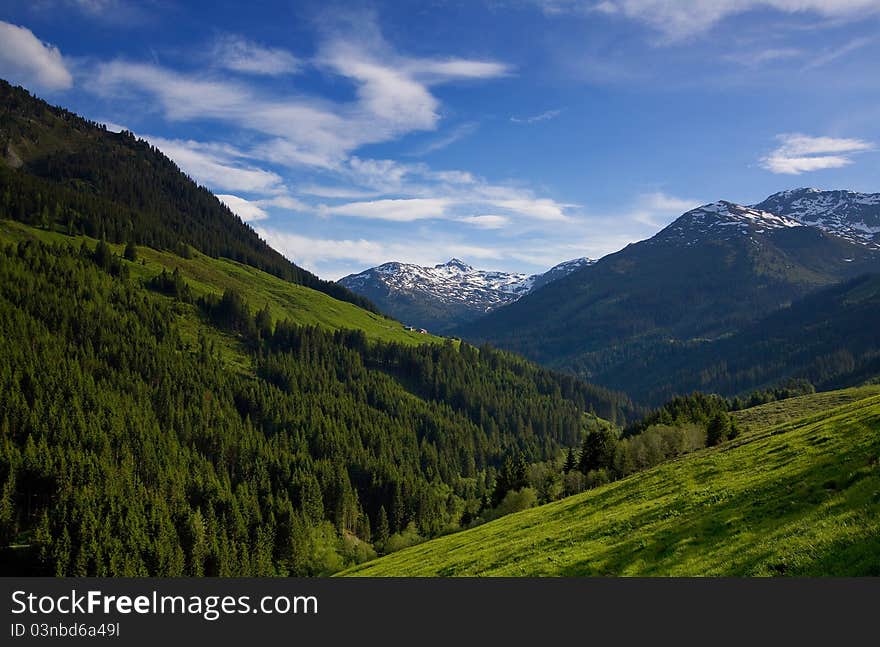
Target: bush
{"points": [[514, 501], [407, 537]]}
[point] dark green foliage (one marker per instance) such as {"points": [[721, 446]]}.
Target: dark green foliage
{"points": [[125, 450], [597, 452], [512, 476], [171, 284], [695, 408], [571, 461], [81, 179], [718, 429], [130, 253], [790, 388]]}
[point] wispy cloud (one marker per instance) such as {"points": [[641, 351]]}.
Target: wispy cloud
{"points": [[238, 54], [25, 59], [680, 19], [397, 210], [798, 153], [244, 209], [393, 98], [833, 54], [487, 221], [458, 133], [757, 57], [219, 166], [544, 116]]}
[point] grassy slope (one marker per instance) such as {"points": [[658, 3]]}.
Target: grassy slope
{"points": [[775, 413], [209, 275], [798, 498]]}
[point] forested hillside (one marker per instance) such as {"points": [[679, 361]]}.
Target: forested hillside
{"points": [[830, 338], [59, 169], [133, 442]]}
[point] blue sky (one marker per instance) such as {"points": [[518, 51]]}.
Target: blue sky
{"points": [[512, 134]]}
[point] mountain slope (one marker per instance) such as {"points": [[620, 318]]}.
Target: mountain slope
{"points": [[831, 338], [710, 273], [848, 214], [59, 169], [446, 295], [797, 499]]}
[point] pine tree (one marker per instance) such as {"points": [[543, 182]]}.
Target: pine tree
{"points": [[718, 429], [598, 450], [382, 529], [570, 461]]}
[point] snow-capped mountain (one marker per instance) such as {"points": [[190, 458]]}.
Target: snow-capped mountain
{"points": [[720, 220], [444, 295], [850, 215]]}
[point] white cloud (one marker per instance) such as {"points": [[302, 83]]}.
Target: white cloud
{"points": [[799, 153], [285, 202], [26, 60], [439, 71], [537, 208], [488, 221], [241, 55], [392, 98], [678, 19], [397, 210], [544, 116], [218, 166], [244, 209]]}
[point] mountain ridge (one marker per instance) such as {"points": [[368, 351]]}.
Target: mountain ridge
{"points": [[444, 295]]}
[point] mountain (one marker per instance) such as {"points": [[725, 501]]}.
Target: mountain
{"points": [[709, 274], [59, 169], [850, 215], [443, 296]]}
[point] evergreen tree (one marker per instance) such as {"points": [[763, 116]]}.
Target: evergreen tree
{"points": [[718, 429], [382, 529], [597, 451], [570, 461]]}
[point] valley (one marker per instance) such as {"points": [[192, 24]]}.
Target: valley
{"points": [[181, 399]]}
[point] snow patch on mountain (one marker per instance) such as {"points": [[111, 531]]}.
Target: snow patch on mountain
{"points": [[848, 214]]}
